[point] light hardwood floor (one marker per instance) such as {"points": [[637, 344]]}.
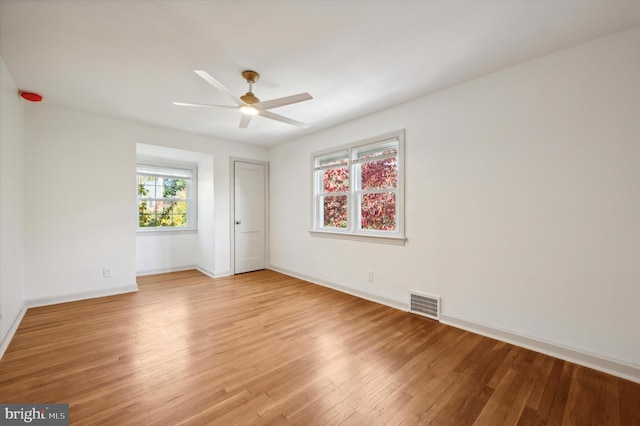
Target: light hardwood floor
{"points": [[265, 348]]}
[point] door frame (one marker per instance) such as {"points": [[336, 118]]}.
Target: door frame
{"points": [[232, 209]]}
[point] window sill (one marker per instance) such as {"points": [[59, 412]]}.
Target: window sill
{"points": [[398, 241], [165, 231]]}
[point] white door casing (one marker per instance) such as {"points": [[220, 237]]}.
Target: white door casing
{"points": [[249, 219]]}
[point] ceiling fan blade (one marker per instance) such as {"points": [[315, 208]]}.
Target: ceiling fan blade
{"points": [[215, 83], [245, 119], [288, 100], [267, 114], [203, 105]]}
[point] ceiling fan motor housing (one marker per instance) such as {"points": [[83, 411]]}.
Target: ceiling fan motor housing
{"points": [[249, 98]]}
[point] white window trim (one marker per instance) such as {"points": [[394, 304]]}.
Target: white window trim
{"points": [[192, 206], [351, 232], [398, 241]]}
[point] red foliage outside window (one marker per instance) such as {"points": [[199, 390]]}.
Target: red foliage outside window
{"points": [[378, 209]]}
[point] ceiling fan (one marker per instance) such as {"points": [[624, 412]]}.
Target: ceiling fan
{"points": [[248, 103]]}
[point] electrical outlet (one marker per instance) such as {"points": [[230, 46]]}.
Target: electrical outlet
{"points": [[106, 272], [370, 276]]}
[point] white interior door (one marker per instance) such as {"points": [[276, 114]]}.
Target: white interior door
{"points": [[250, 244]]}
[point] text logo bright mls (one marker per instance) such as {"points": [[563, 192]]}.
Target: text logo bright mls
{"points": [[36, 414]]}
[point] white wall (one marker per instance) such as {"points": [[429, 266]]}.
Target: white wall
{"points": [[80, 169], [206, 242], [522, 204], [85, 219], [11, 201], [166, 251]]}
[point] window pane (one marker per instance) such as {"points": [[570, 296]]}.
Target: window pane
{"points": [[154, 220], [389, 148], [163, 206], [378, 211], [144, 214], [162, 213], [334, 159], [179, 219], [174, 188], [335, 180], [335, 211], [153, 206], [379, 174], [149, 190], [146, 186], [179, 213]]}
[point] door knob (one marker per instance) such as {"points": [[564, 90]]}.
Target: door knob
{"points": [[238, 222]]}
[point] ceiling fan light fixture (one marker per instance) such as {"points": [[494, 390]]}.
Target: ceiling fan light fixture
{"points": [[249, 110]]}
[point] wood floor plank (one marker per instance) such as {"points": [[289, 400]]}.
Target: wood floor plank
{"points": [[266, 348]]}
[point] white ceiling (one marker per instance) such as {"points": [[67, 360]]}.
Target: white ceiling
{"points": [[129, 59]]}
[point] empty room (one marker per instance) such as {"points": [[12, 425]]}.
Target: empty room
{"points": [[319, 212]]}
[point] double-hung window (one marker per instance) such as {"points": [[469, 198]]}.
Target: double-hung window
{"points": [[358, 190], [166, 196]]}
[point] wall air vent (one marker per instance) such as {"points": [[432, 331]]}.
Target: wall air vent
{"points": [[424, 304]]}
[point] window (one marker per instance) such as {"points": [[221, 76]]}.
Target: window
{"points": [[358, 190], [166, 196]]}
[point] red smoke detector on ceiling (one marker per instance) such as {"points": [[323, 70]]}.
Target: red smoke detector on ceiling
{"points": [[33, 97]]}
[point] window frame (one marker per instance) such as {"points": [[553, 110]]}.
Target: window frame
{"points": [[192, 192], [318, 194], [353, 231]]}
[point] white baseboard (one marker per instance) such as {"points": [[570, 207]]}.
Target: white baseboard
{"points": [[597, 362], [165, 270], [11, 330], [83, 295], [577, 356], [222, 274], [397, 304], [184, 268], [207, 272], [212, 274]]}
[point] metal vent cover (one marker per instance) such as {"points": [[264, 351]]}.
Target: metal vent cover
{"points": [[424, 304]]}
